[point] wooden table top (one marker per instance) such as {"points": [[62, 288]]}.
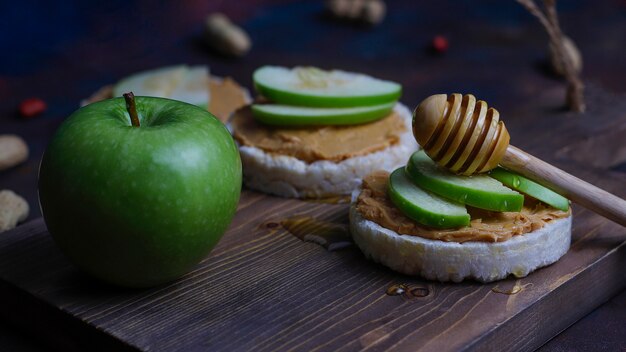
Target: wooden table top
{"points": [[497, 51]]}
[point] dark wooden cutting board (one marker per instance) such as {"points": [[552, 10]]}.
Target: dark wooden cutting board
{"points": [[263, 288]]}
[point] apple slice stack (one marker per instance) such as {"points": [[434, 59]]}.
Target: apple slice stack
{"points": [[435, 197], [308, 96]]}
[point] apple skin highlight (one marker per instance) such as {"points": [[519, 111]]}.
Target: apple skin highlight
{"points": [[139, 206]]}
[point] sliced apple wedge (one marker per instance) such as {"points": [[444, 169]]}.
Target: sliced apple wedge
{"points": [[310, 86], [533, 189], [287, 115], [183, 83], [424, 207], [480, 191]]}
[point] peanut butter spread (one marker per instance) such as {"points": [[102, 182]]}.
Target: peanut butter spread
{"points": [[226, 97], [309, 144], [374, 204]]}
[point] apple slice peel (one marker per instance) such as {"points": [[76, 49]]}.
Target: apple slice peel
{"points": [[422, 206], [287, 115], [313, 87], [480, 191], [531, 188]]}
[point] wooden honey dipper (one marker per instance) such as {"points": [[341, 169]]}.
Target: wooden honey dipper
{"points": [[467, 137]]}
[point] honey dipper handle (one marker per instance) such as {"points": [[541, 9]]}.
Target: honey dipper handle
{"points": [[577, 190]]}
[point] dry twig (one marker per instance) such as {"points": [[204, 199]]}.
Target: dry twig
{"points": [[550, 22]]}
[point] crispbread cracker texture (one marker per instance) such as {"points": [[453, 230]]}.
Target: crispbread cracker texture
{"points": [[453, 261], [287, 176]]}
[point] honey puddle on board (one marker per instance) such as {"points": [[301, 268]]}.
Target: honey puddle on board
{"points": [[517, 288], [330, 235], [407, 290], [331, 200]]}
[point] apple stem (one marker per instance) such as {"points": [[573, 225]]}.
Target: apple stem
{"points": [[132, 109]]}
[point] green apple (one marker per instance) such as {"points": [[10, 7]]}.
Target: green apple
{"points": [[533, 189], [480, 191], [422, 206], [287, 115], [310, 86], [184, 83], [139, 205]]}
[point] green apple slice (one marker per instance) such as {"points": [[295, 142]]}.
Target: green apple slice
{"points": [[183, 83], [480, 191], [287, 115], [310, 86], [533, 189], [422, 206]]}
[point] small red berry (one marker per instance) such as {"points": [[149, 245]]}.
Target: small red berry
{"points": [[32, 107], [440, 44]]}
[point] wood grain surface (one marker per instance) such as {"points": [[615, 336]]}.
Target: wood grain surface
{"points": [[263, 288]]}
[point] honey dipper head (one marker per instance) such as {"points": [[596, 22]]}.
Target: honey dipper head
{"points": [[459, 133]]}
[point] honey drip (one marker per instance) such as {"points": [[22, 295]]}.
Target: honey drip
{"points": [[331, 200], [517, 288], [330, 235], [396, 289], [409, 291]]}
